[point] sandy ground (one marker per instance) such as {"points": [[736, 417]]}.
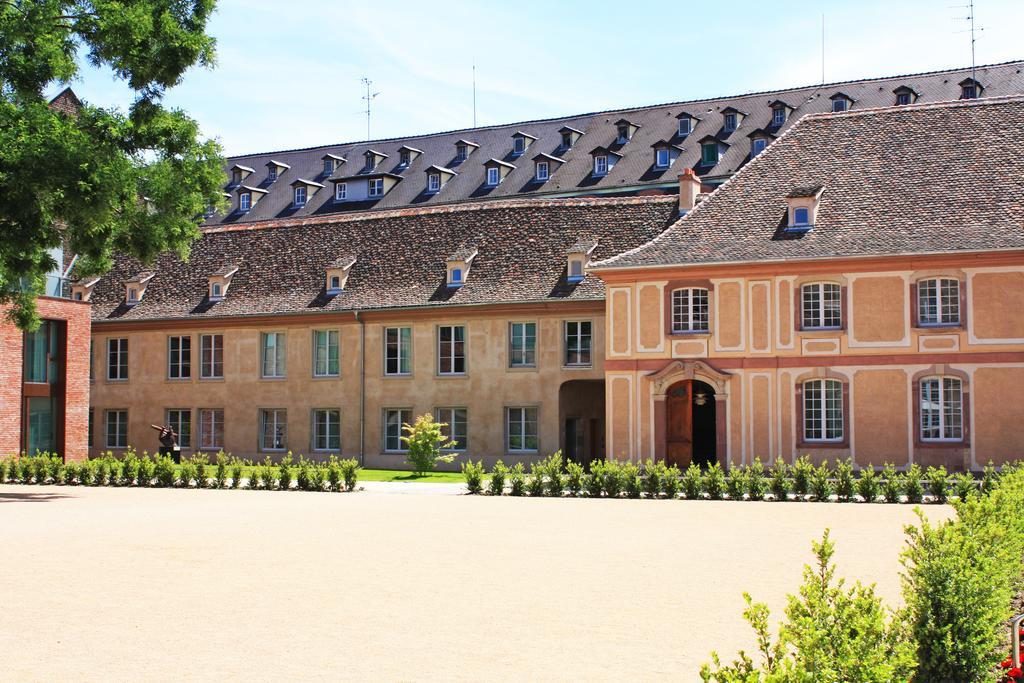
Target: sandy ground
{"points": [[122, 584]]}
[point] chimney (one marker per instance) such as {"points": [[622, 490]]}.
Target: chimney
{"points": [[689, 188]]}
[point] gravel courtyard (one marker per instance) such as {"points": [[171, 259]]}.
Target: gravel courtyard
{"points": [[120, 584]]}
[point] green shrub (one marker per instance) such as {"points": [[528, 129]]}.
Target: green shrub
{"points": [[220, 473], [964, 485], [613, 479], [146, 471], [199, 461], [499, 472], [535, 485], [129, 469], [821, 482], [693, 482], [803, 470], [555, 474], [40, 468], [892, 486], [114, 470], [473, 473], [25, 470], [938, 483], [844, 481], [713, 482], [317, 476], [989, 477], [236, 473], [779, 482], [56, 470], [653, 473], [3, 470], [270, 475], [913, 488], [425, 441], [867, 485], [756, 484], [517, 479], [670, 482], [830, 633], [86, 471], [593, 481], [71, 473], [631, 482], [574, 473], [302, 473], [187, 473], [736, 483], [350, 473], [333, 474], [163, 471]]}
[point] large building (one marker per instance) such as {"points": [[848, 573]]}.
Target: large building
{"points": [[855, 291], [625, 151]]}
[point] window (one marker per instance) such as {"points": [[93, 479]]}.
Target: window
{"points": [[566, 140], [968, 91], [822, 306], [838, 104], [823, 410], [433, 182], [942, 409], [600, 165], [394, 418], [117, 359], [326, 430], [690, 310], [575, 270], [215, 290], [902, 98], [456, 276], [300, 195], [273, 430], [181, 422], [460, 153], [730, 123], [577, 343], [244, 200], [273, 362], [541, 173], [522, 345], [211, 428], [801, 216], [179, 357], [521, 430], [133, 294], [375, 188], [451, 350], [685, 126], [623, 133], [404, 157], [778, 116], [117, 429], [709, 153], [341, 192], [41, 354], [328, 166], [519, 144], [661, 158], [272, 174], [493, 177], [335, 283], [397, 350], [236, 177], [938, 302], [211, 356], [757, 146], [456, 430], [325, 353]]}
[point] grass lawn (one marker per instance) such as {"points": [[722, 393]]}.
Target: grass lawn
{"points": [[370, 475]]}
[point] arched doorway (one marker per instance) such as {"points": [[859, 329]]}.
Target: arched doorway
{"points": [[691, 424]]}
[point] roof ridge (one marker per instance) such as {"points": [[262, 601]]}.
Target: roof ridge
{"points": [[455, 207], [568, 117]]}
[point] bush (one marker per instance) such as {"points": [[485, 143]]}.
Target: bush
{"points": [[631, 482], [270, 475], [302, 472], [71, 473], [736, 483], [713, 482], [756, 485], [593, 481], [670, 482], [613, 479], [779, 482], [187, 472], [693, 482], [821, 482], [653, 473], [964, 485], [892, 486], [236, 473], [556, 478], [163, 471], [574, 474], [499, 472], [473, 473], [989, 478], [317, 476], [350, 473], [200, 462], [830, 633], [913, 489], [938, 483], [220, 474], [844, 481], [867, 485], [85, 472], [536, 484], [425, 440], [517, 480], [57, 473], [129, 469], [40, 468], [802, 472], [333, 474], [146, 472]]}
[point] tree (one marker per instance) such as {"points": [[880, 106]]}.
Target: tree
{"points": [[98, 181], [425, 441]]}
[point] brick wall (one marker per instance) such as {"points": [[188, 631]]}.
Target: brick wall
{"points": [[76, 413]]}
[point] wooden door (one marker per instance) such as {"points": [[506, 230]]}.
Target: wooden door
{"points": [[679, 414]]}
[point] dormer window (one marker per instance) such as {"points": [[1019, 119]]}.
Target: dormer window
{"points": [[458, 265], [569, 137], [375, 187], [456, 276], [801, 217], [240, 173], [275, 169], [902, 98], [803, 207], [133, 295], [497, 170], [778, 116], [661, 158], [541, 171], [82, 290], [299, 195], [219, 281], [373, 158], [404, 157], [236, 177], [302, 190], [841, 102], [433, 182], [272, 173], [970, 89], [838, 105], [340, 192], [757, 145], [566, 140], [461, 152], [578, 256], [905, 95], [334, 284], [575, 270], [328, 166], [520, 141], [331, 163], [244, 201], [600, 165], [685, 126], [337, 274], [622, 133], [493, 177], [437, 177], [135, 288], [216, 290], [709, 153], [730, 123]]}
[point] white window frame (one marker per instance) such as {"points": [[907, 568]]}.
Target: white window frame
{"points": [[518, 144], [182, 358], [121, 425], [272, 173], [819, 410], [622, 134], [731, 123], [244, 201], [839, 105], [757, 145], [573, 341], [375, 187], [684, 127], [691, 310], [173, 419], [340, 192], [273, 367], [211, 429], [796, 222], [404, 158], [947, 395], [299, 195], [461, 153], [541, 173], [404, 416], [528, 352], [601, 165], [814, 307], [208, 370], [662, 158], [518, 419], [273, 423], [493, 176], [403, 351], [121, 365], [778, 116], [323, 353], [575, 272], [433, 182], [451, 356], [321, 440], [447, 415], [934, 294], [328, 166]]}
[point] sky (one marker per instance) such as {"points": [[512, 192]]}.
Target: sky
{"points": [[288, 74]]}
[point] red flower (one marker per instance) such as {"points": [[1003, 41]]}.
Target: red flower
{"points": [[1006, 663], [1015, 672]]}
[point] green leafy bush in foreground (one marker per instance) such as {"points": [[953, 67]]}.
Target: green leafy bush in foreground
{"points": [[473, 473]]}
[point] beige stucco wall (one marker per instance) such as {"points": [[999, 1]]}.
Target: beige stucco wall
{"points": [[882, 410], [999, 415], [878, 308]]}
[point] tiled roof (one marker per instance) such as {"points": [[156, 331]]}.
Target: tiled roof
{"points": [[900, 180], [400, 259], [634, 171]]}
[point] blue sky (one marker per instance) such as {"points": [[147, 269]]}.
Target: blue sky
{"points": [[288, 73]]}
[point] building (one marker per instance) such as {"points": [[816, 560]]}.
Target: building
{"points": [[621, 152], [323, 335], [857, 290]]}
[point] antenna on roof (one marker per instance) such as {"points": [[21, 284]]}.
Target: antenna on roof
{"points": [[823, 48], [368, 97], [972, 30], [474, 93]]}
